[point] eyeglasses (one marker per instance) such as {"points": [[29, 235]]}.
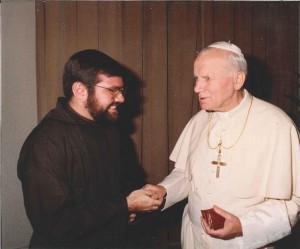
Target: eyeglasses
{"points": [[115, 90]]}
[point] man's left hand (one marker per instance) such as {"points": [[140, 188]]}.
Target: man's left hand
{"points": [[232, 226]]}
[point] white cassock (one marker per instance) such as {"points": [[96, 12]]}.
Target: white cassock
{"points": [[260, 182]]}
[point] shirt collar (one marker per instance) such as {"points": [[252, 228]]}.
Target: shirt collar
{"points": [[238, 109]]}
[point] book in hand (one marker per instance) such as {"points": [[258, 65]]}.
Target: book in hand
{"points": [[214, 220]]}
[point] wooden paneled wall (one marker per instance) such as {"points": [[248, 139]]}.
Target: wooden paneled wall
{"points": [[158, 41]]}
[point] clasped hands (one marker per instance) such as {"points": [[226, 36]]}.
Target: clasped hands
{"points": [[149, 198]]}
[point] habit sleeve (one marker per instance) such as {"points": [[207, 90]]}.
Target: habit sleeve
{"points": [[54, 213]]}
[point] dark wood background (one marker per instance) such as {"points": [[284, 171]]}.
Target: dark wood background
{"points": [[158, 41]]}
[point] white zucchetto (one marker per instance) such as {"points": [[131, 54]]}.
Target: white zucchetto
{"points": [[227, 46]]}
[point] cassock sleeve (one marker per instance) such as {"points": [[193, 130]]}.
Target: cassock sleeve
{"points": [[269, 222], [177, 186], [273, 219], [177, 183]]}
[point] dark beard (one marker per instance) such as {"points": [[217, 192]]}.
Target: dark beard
{"points": [[100, 115]]}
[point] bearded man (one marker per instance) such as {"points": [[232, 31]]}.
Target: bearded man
{"points": [[73, 176]]}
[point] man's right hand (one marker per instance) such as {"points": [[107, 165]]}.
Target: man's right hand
{"points": [[140, 201], [158, 192]]}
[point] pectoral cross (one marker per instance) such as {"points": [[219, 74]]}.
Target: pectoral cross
{"points": [[219, 163]]}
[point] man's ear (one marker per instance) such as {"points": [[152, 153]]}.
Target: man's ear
{"points": [[240, 80], [80, 91]]}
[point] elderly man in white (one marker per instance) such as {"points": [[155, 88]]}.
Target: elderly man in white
{"points": [[239, 155]]}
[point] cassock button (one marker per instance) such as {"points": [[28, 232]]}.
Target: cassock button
{"points": [[191, 177]]}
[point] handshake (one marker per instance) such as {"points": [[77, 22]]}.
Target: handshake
{"points": [[148, 198]]}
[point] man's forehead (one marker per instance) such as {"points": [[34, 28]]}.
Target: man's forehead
{"points": [[213, 65], [211, 57], [103, 76]]}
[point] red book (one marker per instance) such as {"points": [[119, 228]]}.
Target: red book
{"points": [[214, 220]]}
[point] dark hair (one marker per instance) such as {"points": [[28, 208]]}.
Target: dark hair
{"points": [[85, 65]]}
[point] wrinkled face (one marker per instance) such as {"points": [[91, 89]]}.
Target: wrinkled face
{"points": [[102, 102], [216, 82]]}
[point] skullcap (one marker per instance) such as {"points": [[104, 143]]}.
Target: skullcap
{"points": [[227, 46]]}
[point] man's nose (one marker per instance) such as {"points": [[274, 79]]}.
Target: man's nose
{"points": [[199, 86], [120, 97]]}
